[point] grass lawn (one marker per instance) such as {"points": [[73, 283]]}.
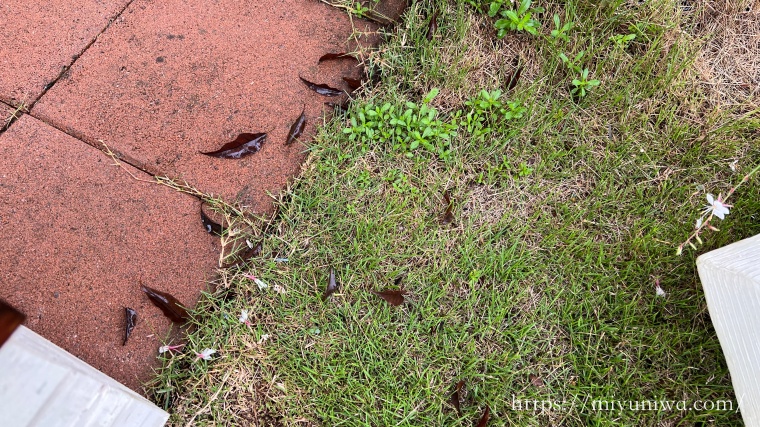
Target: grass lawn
{"points": [[565, 210]]}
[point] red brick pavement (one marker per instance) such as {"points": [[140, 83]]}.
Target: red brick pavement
{"points": [[158, 81], [80, 234], [39, 38]]}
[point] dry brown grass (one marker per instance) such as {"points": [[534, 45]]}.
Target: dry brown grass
{"points": [[487, 205], [490, 63], [728, 64]]}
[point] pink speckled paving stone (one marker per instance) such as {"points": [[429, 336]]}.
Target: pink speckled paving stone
{"points": [[170, 79], [5, 114], [39, 38], [78, 236]]}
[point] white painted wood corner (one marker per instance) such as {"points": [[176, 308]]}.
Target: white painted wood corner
{"points": [[731, 280], [43, 385]]}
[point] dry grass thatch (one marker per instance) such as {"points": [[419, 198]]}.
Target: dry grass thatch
{"points": [[728, 64]]}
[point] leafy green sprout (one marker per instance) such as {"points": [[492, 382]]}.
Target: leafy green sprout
{"points": [[400, 182], [495, 172], [475, 276], [560, 31], [622, 40], [583, 84], [364, 180], [573, 64], [407, 128], [524, 170], [515, 20], [359, 10], [485, 112]]}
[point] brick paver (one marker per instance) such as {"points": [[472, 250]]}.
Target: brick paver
{"points": [[5, 113], [80, 234], [39, 38], [173, 78]]}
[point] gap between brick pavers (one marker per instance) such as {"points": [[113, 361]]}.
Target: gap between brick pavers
{"points": [[8, 115], [80, 234], [74, 58], [41, 40]]}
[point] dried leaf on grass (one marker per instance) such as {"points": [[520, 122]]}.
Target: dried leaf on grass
{"points": [[432, 26], [251, 251], [483, 422], [456, 397], [448, 215], [515, 78], [332, 286], [392, 297]]}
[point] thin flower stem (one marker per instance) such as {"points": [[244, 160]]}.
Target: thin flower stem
{"points": [[706, 222], [227, 208], [745, 179], [696, 232]]}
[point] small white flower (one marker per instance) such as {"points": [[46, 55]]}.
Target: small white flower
{"points": [[260, 283], [660, 291], [279, 289], [716, 207], [205, 354], [263, 339], [243, 316], [163, 349], [699, 223]]}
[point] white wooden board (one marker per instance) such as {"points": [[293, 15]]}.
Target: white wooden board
{"points": [[731, 280], [41, 385]]}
